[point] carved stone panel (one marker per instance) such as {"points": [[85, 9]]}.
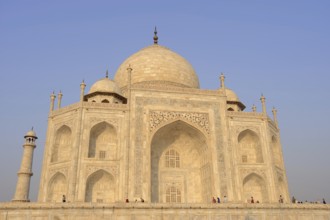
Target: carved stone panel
{"points": [[158, 118], [111, 121], [113, 170]]}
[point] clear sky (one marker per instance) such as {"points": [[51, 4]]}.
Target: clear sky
{"points": [[278, 48]]}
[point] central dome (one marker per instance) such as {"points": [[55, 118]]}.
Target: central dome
{"points": [[158, 65]]}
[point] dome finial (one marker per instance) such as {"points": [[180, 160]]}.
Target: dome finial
{"points": [[107, 74], [155, 36]]}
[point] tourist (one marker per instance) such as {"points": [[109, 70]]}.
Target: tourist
{"points": [[63, 198], [213, 200], [127, 201], [324, 201], [218, 199], [252, 200], [225, 199], [281, 199], [293, 199]]}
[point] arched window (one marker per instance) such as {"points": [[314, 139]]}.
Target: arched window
{"points": [[62, 146], [103, 142], [250, 148], [173, 195], [254, 186], [57, 188], [172, 159], [105, 101], [100, 187]]}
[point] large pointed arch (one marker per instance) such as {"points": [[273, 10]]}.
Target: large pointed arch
{"points": [[62, 145], [249, 147], [57, 187], [180, 160], [103, 141], [100, 187], [255, 186]]}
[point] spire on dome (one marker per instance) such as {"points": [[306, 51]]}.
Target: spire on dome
{"points": [[155, 36], [107, 74]]}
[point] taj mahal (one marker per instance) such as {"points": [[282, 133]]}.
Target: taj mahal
{"points": [[151, 144]]}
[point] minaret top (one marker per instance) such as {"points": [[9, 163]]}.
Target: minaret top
{"points": [[155, 36], [31, 133]]}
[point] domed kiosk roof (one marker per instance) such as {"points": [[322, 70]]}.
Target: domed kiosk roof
{"points": [[31, 133], [105, 85], [158, 65], [231, 95]]}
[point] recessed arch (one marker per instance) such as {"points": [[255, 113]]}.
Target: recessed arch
{"points": [[100, 187], [276, 151], [194, 171], [105, 101], [103, 141], [249, 147], [254, 186], [62, 145], [230, 109], [57, 187]]}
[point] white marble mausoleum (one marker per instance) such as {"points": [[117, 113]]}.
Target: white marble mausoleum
{"points": [[152, 133]]}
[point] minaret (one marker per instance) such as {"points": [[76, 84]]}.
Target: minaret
{"points": [[275, 116], [60, 95], [254, 108], [52, 101], [263, 103], [222, 81], [25, 172], [82, 90]]}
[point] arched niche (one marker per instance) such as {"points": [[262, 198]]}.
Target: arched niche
{"points": [[250, 147], [276, 151], [282, 189], [57, 187], [100, 187], [230, 109], [103, 142], [62, 145], [105, 101], [254, 186], [180, 160]]}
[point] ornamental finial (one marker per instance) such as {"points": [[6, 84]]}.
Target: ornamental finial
{"points": [[155, 36], [107, 74]]}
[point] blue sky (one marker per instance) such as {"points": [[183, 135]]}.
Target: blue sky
{"points": [[278, 48]]}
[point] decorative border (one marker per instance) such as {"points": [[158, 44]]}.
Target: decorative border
{"points": [[159, 118]]}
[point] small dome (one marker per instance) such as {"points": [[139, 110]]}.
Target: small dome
{"points": [[30, 133], [231, 95], [158, 65], [105, 85]]}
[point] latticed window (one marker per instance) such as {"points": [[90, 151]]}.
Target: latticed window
{"points": [[172, 159], [173, 195], [102, 154]]}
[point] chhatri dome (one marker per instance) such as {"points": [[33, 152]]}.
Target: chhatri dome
{"points": [[157, 65], [105, 85]]}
